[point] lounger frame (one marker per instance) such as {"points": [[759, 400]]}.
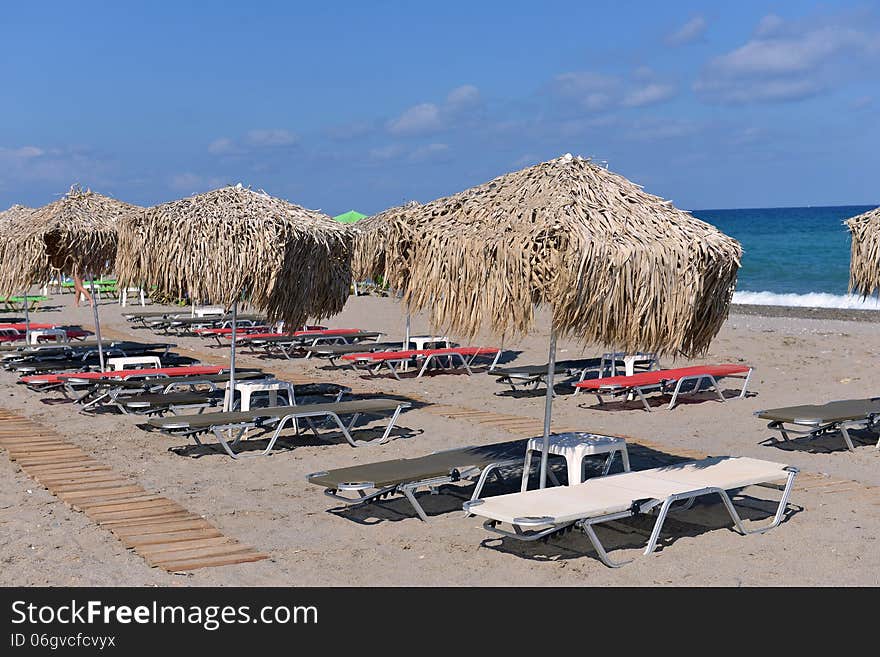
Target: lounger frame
{"points": [[663, 387], [533, 529], [819, 429], [433, 484], [230, 436], [374, 367]]}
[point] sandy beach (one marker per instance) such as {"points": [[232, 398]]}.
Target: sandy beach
{"points": [[799, 357]]}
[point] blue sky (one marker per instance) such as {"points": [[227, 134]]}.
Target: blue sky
{"points": [[366, 105]]}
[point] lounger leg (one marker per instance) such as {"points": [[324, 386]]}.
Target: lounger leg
{"points": [[218, 433], [583, 376], [406, 490], [742, 393], [715, 385], [587, 528], [658, 525], [527, 468], [845, 433], [425, 365], [492, 468], [780, 510], [387, 434], [645, 401]]}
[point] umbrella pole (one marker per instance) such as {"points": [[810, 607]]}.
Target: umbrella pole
{"points": [[406, 338], [548, 405], [97, 321], [27, 321], [231, 388]]}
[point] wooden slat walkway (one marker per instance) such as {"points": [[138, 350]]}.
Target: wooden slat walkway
{"points": [[161, 531]]}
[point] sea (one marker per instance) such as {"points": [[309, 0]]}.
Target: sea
{"points": [[792, 256]]}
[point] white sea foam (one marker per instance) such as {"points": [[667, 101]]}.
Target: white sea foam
{"points": [[808, 300]]}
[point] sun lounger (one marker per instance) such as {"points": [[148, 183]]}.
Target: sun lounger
{"points": [[333, 352], [837, 416], [664, 381], [287, 343], [532, 376], [150, 403], [541, 513], [116, 391], [464, 356], [70, 381], [375, 481], [237, 423]]}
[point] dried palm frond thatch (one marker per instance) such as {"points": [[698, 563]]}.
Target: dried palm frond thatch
{"points": [[864, 264], [75, 234], [619, 266], [370, 234], [234, 242]]}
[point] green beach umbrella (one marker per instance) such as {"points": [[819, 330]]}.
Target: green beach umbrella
{"points": [[349, 217]]}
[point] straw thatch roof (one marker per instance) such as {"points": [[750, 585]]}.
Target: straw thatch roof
{"points": [[370, 235], [233, 242], [619, 266], [864, 264], [76, 234]]}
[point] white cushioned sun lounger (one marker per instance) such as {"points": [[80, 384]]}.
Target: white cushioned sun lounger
{"points": [[536, 514]]}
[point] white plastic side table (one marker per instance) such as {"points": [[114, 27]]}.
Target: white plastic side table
{"points": [[575, 446]]}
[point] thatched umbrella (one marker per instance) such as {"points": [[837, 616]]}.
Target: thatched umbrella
{"points": [[11, 221], [76, 233], [368, 254], [617, 266], [234, 243], [864, 264]]}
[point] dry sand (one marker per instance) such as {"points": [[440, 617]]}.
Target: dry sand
{"points": [[830, 539]]}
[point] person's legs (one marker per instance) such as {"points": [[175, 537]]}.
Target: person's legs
{"points": [[80, 291]]}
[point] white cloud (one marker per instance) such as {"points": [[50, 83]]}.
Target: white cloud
{"points": [[592, 91], [54, 165], [463, 97], [221, 146], [430, 118], [691, 31], [271, 138], [430, 152], [254, 140], [192, 183], [417, 120], [650, 94], [389, 152], [660, 129], [595, 92], [785, 62]]}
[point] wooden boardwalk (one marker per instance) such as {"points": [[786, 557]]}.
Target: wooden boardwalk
{"points": [[161, 531]]}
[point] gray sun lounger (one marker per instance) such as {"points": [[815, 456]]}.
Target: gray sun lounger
{"points": [[542, 513], [146, 403], [236, 424], [837, 416], [534, 375], [375, 481]]}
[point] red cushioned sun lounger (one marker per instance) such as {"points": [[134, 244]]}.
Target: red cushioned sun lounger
{"points": [[667, 380], [464, 355], [190, 370], [298, 334]]}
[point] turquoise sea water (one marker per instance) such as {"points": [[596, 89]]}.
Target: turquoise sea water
{"points": [[792, 256]]}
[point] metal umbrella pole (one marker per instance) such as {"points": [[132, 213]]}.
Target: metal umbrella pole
{"points": [[27, 320], [97, 321], [230, 391], [548, 405]]}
